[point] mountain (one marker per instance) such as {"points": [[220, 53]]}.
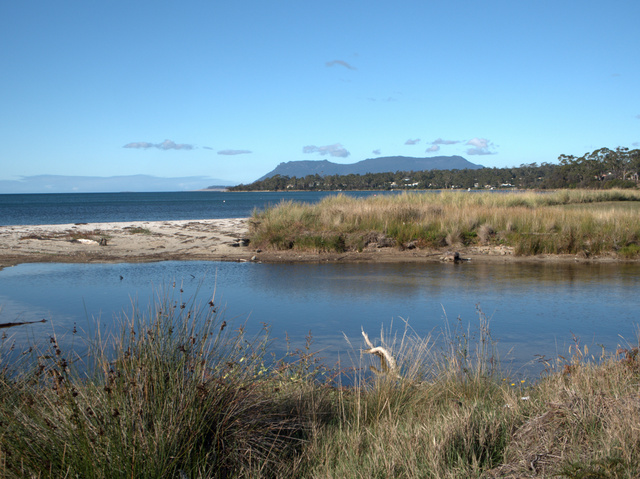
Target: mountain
{"points": [[100, 184], [382, 164]]}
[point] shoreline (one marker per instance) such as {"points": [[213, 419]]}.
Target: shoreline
{"points": [[214, 240]]}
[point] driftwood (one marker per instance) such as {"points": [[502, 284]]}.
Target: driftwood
{"points": [[10, 325], [387, 361]]}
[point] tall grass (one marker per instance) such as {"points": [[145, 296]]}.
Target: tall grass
{"points": [[563, 222], [454, 413], [178, 393]]}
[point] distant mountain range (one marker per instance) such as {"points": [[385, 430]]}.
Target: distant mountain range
{"points": [[99, 184], [382, 164]]}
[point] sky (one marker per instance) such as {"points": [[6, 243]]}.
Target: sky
{"points": [[228, 90]]}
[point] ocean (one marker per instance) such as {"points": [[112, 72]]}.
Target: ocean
{"points": [[66, 208]]}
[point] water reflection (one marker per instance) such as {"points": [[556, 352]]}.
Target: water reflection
{"points": [[533, 308]]}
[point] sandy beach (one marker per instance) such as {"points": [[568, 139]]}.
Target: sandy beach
{"points": [[208, 240], [139, 241]]}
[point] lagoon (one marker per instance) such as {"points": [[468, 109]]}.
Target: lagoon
{"points": [[534, 309]]}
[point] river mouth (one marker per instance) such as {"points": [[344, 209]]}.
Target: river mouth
{"points": [[533, 311]]}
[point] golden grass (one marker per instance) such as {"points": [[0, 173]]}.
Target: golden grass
{"points": [[563, 222], [457, 415]]}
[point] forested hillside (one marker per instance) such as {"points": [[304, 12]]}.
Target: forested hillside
{"points": [[371, 165], [603, 168]]}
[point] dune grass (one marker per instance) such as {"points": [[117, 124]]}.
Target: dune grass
{"points": [[179, 393], [176, 394], [580, 222]]}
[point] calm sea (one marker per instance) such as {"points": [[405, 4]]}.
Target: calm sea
{"points": [[64, 208]]}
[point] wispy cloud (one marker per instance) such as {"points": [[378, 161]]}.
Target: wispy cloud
{"points": [[234, 152], [331, 150], [435, 144], [440, 141], [376, 152], [481, 146], [638, 117], [412, 142], [207, 148], [165, 145], [340, 63]]}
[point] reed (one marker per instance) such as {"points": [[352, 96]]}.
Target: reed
{"points": [[563, 222], [453, 413]]}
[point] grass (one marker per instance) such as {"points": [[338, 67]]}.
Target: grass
{"points": [[138, 230], [175, 394], [576, 222], [180, 393]]}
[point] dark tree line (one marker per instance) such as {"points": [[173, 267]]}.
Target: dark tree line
{"points": [[603, 168]]}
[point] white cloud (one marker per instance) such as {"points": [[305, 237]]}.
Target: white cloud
{"points": [[432, 149], [440, 141], [165, 145], [331, 150], [340, 63], [412, 142], [481, 146], [139, 144], [234, 152]]}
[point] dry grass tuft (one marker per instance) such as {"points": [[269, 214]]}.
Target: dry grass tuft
{"points": [[486, 233]]}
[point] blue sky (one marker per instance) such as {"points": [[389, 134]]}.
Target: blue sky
{"points": [[230, 89]]}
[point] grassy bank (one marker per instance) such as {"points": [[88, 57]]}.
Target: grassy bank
{"points": [[179, 393], [582, 222]]}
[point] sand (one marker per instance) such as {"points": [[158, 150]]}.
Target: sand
{"points": [[137, 241]]}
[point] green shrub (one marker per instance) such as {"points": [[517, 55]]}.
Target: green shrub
{"points": [[630, 251]]}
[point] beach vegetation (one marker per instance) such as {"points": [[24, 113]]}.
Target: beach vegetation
{"points": [[138, 230], [579, 222]]}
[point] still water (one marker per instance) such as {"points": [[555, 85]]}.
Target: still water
{"points": [[533, 309]]}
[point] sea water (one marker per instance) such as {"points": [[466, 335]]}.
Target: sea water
{"points": [[66, 208]]}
